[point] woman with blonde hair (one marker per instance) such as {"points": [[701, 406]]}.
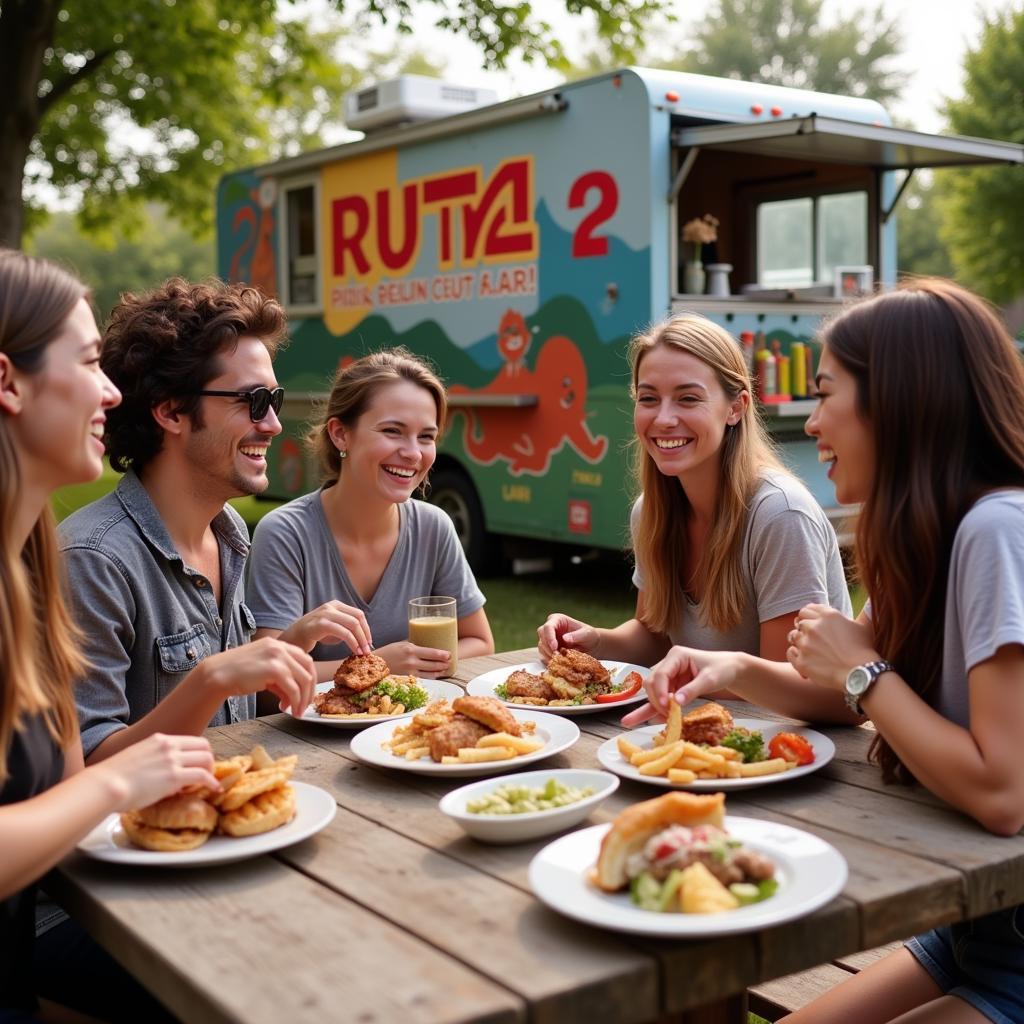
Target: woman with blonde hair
{"points": [[362, 539], [53, 398], [728, 544]]}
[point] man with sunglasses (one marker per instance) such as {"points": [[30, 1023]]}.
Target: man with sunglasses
{"points": [[156, 567]]}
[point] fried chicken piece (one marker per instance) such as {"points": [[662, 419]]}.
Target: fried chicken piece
{"points": [[525, 684], [461, 731], [710, 723], [334, 703], [489, 711], [361, 671], [577, 668]]}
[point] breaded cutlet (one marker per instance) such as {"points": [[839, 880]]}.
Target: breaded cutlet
{"points": [[359, 672], [490, 712], [446, 740], [525, 684]]}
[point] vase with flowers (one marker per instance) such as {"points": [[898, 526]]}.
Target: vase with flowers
{"points": [[695, 233]]}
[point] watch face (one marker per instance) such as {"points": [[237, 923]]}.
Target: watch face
{"points": [[858, 680]]}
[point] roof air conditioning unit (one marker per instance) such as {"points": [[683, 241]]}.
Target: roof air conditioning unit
{"points": [[410, 98]]}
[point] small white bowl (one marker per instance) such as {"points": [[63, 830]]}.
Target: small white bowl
{"points": [[519, 828]]}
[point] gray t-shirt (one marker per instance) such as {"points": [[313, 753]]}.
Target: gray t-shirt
{"points": [[295, 566], [985, 595], [790, 558]]}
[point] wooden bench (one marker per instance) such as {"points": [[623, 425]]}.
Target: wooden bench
{"points": [[774, 999]]}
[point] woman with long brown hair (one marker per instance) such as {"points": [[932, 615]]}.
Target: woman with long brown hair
{"points": [[53, 398], [728, 544], [921, 419]]}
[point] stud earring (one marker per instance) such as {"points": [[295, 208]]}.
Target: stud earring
{"points": [[342, 454]]}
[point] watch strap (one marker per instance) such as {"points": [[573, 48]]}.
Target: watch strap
{"points": [[874, 669]]}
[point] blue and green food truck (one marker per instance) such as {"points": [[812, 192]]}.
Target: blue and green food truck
{"points": [[520, 244]]}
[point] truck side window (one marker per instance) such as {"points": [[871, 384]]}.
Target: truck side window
{"points": [[801, 240], [302, 257]]}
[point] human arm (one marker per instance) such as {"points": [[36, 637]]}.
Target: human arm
{"points": [[40, 831], [977, 769], [263, 665], [632, 641]]}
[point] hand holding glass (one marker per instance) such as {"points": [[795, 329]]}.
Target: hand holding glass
{"points": [[433, 622]]}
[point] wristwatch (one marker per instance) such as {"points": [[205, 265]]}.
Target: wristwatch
{"points": [[861, 679]]}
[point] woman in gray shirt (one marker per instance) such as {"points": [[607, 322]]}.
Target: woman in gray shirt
{"points": [[728, 544], [362, 539]]}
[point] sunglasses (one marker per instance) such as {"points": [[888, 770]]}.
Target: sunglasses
{"points": [[261, 400]]}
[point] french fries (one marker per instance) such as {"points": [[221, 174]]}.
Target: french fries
{"points": [[682, 762]]}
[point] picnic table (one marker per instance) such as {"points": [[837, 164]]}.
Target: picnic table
{"points": [[392, 914]]}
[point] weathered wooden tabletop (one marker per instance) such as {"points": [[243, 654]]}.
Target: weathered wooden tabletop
{"points": [[392, 914]]}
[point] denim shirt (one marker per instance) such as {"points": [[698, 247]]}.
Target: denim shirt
{"points": [[147, 618]]}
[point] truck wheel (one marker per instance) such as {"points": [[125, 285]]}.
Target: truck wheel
{"points": [[453, 493]]}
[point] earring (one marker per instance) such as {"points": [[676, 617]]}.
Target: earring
{"points": [[342, 454]]}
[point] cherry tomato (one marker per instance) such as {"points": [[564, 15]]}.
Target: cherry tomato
{"points": [[791, 747], [634, 683]]}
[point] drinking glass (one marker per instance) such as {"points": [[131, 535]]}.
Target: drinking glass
{"points": [[433, 622]]}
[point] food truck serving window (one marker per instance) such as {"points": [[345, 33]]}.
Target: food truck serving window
{"points": [[800, 240]]}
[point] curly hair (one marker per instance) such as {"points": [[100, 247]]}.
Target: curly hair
{"points": [[164, 345]]}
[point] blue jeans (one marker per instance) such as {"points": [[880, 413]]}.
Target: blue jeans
{"points": [[979, 961]]}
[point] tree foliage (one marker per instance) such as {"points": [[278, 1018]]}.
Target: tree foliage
{"points": [[780, 42], [920, 249], [785, 42], [983, 208], [162, 249], [124, 101]]}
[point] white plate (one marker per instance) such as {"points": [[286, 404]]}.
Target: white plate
{"points": [[824, 750], [483, 686], [809, 871], [557, 733], [314, 808], [435, 687], [519, 828]]}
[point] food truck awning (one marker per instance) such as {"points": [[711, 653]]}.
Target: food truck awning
{"points": [[831, 140]]}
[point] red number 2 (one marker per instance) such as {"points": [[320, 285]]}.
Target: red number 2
{"points": [[584, 241]]}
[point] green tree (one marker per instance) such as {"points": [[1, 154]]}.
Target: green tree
{"points": [[784, 42], [983, 208], [920, 249], [162, 249], [120, 101]]}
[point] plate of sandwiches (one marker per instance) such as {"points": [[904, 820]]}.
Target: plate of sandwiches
{"points": [[572, 683], [707, 750], [365, 691], [469, 736], [678, 866], [259, 809]]}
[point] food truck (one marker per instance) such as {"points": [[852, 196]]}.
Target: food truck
{"points": [[518, 245]]}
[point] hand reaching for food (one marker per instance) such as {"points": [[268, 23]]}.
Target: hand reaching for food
{"points": [[563, 631], [156, 767], [682, 675], [332, 622]]}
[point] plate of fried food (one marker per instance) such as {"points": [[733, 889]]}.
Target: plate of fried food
{"points": [[365, 691], [572, 683], [707, 749], [259, 808], [469, 736], [677, 866]]}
